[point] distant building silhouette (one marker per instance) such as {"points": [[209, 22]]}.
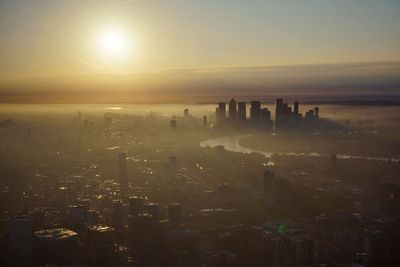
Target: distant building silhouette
{"points": [[186, 115], [118, 214], [255, 111], [286, 117], [242, 111], [316, 112], [172, 124], [221, 113], [232, 110], [266, 118], [296, 107]]}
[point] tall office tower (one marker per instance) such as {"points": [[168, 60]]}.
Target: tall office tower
{"points": [[269, 183], [222, 109], [172, 124], [255, 111], [279, 103], [136, 205], [221, 113], [316, 112], [21, 234], [310, 114], [118, 214], [278, 109], [205, 124], [57, 246], [174, 213], [122, 171], [77, 215], [186, 114], [143, 236], [265, 115], [296, 108], [242, 111], [232, 110], [99, 246], [153, 209], [287, 110], [92, 217], [283, 114]]}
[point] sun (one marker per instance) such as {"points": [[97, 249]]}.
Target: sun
{"points": [[114, 43]]}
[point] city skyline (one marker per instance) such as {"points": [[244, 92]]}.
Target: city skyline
{"points": [[177, 47], [188, 133]]}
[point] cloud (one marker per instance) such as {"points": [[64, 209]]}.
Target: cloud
{"points": [[328, 79], [89, 64]]}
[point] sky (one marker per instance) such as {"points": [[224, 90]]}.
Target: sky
{"points": [[54, 39]]}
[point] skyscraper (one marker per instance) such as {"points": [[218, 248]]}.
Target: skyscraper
{"points": [[99, 246], [123, 173], [255, 111], [118, 214], [172, 124], [186, 114], [77, 215], [266, 118], [283, 114], [242, 111], [296, 108], [316, 112], [232, 110], [21, 233], [221, 112]]}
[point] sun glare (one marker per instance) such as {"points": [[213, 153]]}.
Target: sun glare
{"points": [[113, 43]]}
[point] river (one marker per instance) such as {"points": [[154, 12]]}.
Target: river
{"points": [[231, 143]]}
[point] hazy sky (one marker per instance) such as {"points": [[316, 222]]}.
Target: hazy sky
{"points": [[54, 38]]}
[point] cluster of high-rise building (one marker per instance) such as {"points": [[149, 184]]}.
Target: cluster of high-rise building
{"points": [[238, 113], [285, 115], [140, 228], [301, 211]]}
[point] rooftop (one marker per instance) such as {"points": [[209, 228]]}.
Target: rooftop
{"points": [[56, 235]]}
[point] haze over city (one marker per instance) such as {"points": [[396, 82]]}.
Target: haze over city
{"points": [[182, 133], [52, 48]]}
